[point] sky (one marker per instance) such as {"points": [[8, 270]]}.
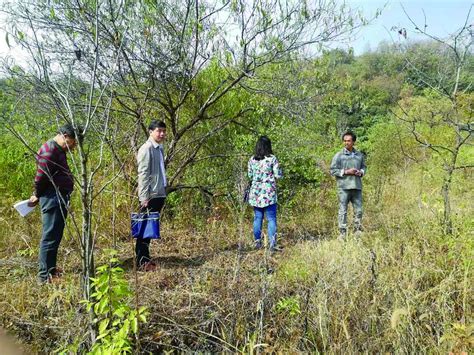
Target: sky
{"points": [[442, 17]]}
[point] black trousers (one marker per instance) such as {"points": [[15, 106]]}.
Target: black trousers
{"points": [[142, 246]]}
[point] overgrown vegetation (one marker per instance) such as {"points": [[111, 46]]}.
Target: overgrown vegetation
{"points": [[404, 286]]}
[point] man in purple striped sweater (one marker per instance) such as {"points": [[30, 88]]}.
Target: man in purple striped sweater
{"points": [[54, 184]]}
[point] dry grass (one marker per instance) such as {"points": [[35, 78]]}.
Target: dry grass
{"points": [[402, 288]]}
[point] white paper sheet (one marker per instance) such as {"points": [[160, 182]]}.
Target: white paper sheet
{"points": [[23, 208]]}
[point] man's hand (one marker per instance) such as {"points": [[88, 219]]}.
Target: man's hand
{"points": [[351, 171], [145, 203], [33, 201], [359, 173]]}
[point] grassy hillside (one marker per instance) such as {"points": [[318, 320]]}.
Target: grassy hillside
{"points": [[403, 286]]}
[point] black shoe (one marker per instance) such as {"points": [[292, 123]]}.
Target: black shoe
{"points": [[276, 249], [258, 244]]}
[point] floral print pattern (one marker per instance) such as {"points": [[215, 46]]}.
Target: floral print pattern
{"points": [[263, 174]]}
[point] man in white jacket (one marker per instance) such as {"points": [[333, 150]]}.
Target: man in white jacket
{"points": [[151, 185]]}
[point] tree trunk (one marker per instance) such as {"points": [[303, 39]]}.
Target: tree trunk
{"points": [[445, 191], [87, 244]]}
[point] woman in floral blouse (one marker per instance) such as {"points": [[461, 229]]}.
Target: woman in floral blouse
{"points": [[263, 170]]}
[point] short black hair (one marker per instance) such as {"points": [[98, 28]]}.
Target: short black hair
{"points": [[349, 133], [69, 130], [263, 148], [156, 124]]}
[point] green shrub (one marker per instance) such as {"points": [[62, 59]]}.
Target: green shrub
{"points": [[117, 321]]}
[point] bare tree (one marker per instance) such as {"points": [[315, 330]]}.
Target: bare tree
{"points": [[443, 122], [72, 88]]}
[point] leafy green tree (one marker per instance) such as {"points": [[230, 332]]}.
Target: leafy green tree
{"points": [[165, 52]]}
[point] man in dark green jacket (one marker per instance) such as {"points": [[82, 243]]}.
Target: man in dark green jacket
{"points": [[348, 166]]}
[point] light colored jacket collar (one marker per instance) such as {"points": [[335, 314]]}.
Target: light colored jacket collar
{"points": [[345, 151], [153, 142]]}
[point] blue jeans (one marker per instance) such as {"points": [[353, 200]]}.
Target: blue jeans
{"points": [[53, 215], [270, 213]]}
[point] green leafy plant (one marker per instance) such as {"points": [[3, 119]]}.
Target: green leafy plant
{"points": [[289, 305], [117, 321]]}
